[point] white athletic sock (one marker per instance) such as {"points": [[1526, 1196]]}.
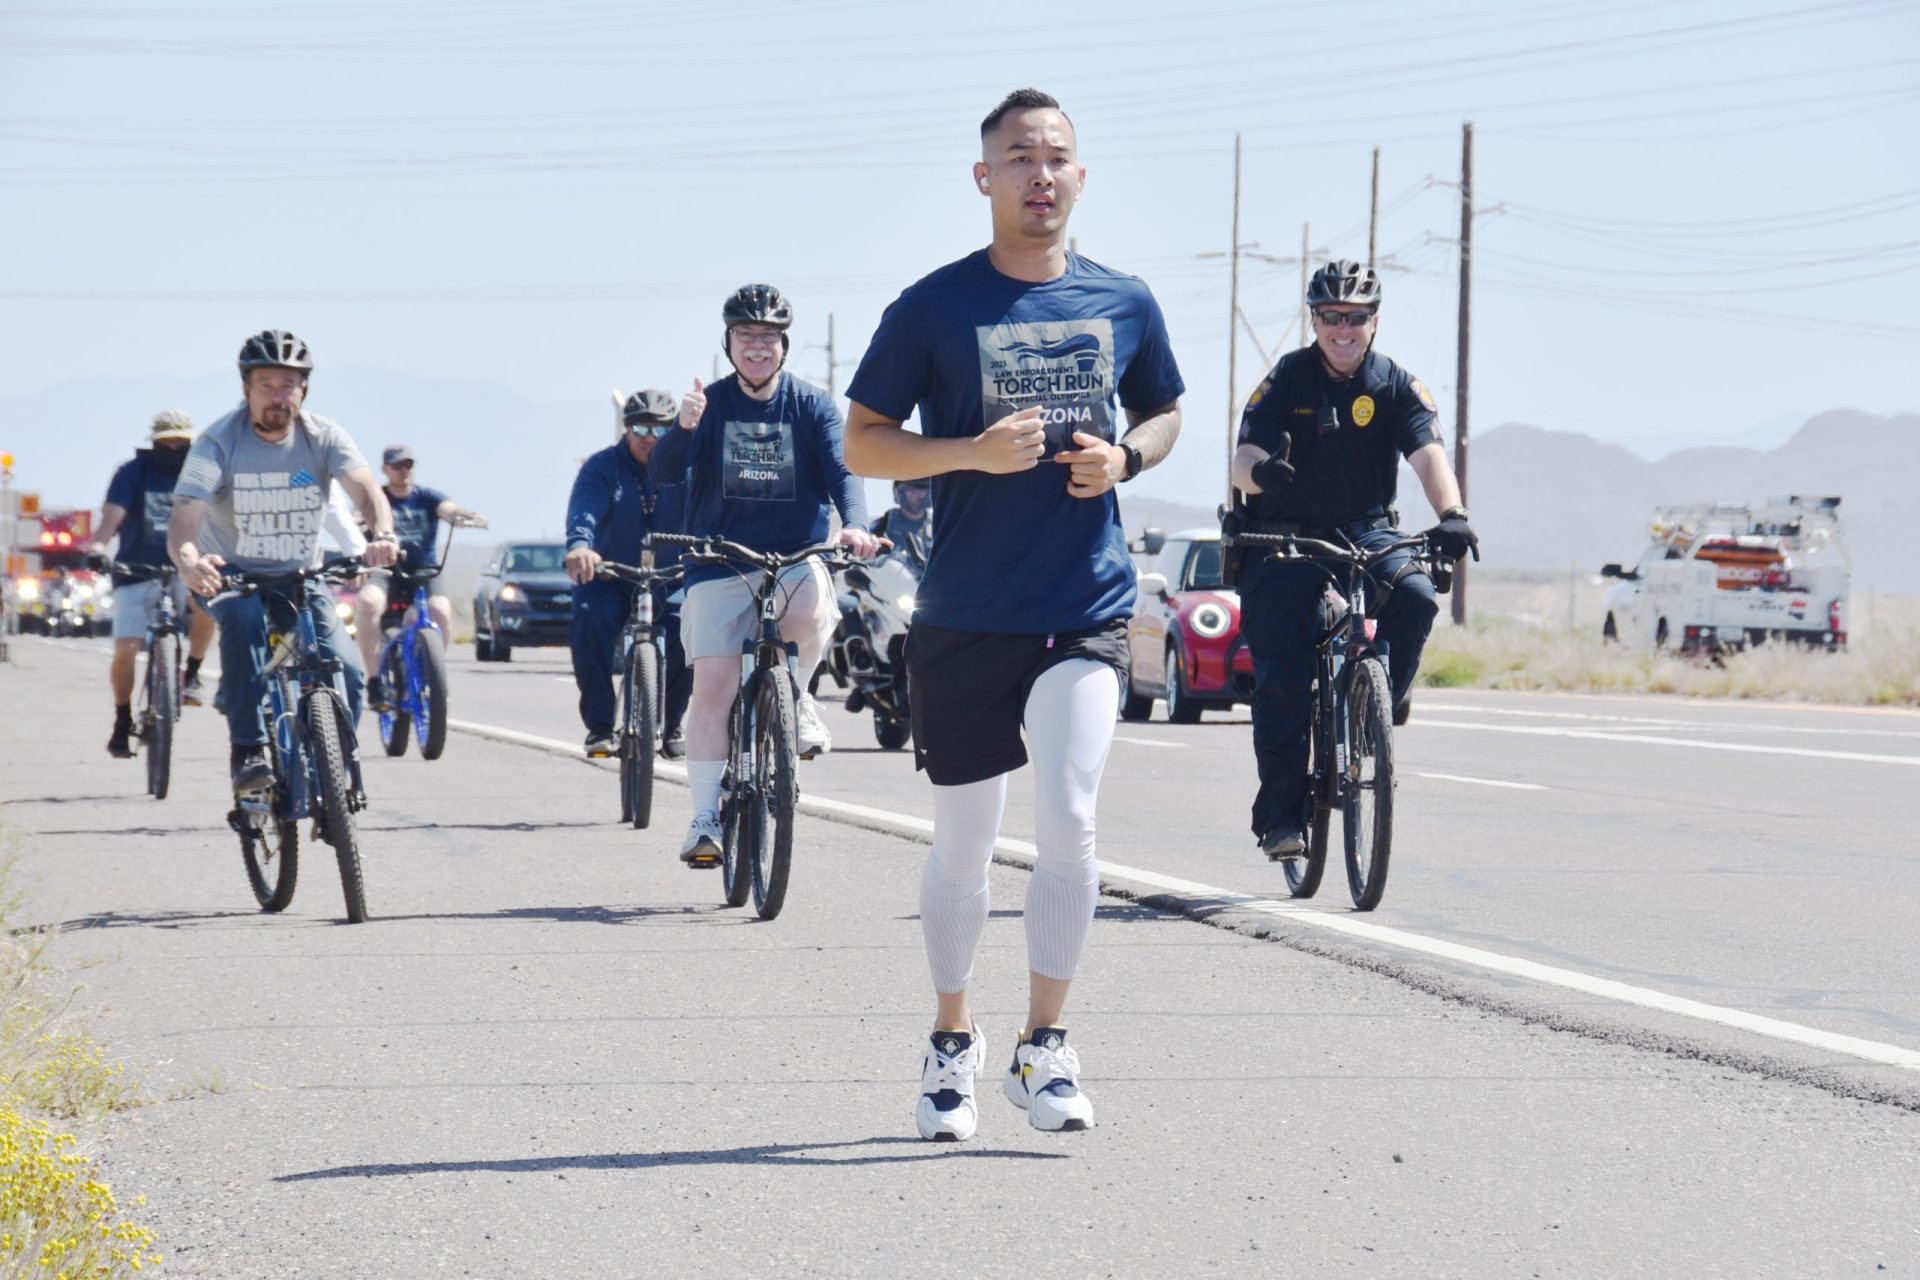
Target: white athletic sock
{"points": [[703, 779], [953, 884], [1069, 720]]}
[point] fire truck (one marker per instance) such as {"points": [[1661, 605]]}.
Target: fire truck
{"points": [[1722, 576], [54, 592]]}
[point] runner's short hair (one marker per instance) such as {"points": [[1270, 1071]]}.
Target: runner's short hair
{"points": [[1018, 100]]}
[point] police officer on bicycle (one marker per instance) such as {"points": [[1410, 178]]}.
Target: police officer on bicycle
{"points": [[1319, 455], [614, 505]]}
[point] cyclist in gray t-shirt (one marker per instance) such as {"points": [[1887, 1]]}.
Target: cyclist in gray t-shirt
{"points": [[252, 496]]}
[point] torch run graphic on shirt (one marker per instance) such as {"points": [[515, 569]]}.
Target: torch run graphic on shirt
{"points": [[277, 514], [1064, 366]]}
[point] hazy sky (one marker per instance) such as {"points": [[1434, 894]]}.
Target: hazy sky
{"points": [[1703, 218]]}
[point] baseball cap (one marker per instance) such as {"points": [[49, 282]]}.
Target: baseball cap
{"points": [[396, 454], [172, 424]]}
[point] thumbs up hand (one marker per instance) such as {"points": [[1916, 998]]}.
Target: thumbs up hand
{"points": [[692, 405]]}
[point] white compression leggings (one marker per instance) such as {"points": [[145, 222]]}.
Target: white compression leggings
{"points": [[1069, 721]]}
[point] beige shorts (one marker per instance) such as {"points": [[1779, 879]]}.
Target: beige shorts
{"points": [[718, 616]]}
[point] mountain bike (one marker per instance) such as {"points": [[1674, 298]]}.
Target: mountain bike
{"points": [[1350, 741], [413, 661], [310, 744], [759, 789], [641, 706], [159, 708]]}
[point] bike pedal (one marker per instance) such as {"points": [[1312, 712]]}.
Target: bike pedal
{"points": [[706, 862]]}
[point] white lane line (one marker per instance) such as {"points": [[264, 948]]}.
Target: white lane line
{"points": [[1197, 893], [1599, 735], [1146, 742], [1481, 782], [1700, 726]]}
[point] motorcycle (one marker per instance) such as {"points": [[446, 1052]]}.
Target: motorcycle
{"points": [[868, 657]]}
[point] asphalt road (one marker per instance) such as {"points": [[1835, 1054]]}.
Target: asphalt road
{"points": [[553, 1053]]}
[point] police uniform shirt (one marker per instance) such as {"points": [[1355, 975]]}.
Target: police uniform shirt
{"points": [[1347, 437]]}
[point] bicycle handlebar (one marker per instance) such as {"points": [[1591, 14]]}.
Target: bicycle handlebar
{"points": [[1295, 546], [716, 551], [245, 583], [614, 571], [137, 572]]}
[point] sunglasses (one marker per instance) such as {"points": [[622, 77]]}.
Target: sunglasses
{"points": [[1342, 319], [402, 466], [650, 428]]}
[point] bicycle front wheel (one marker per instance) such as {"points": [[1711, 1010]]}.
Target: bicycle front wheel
{"points": [[163, 708], [640, 736], [1367, 817], [775, 752], [395, 722], [431, 652], [334, 794]]}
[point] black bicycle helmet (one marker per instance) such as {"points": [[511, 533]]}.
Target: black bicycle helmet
{"points": [[1344, 280], [275, 349], [758, 304], [651, 406]]}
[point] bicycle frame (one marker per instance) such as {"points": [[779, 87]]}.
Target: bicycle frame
{"points": [[296, 665], [405, 641]]}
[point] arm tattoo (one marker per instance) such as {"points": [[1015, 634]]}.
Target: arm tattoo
{"points": [[1153, 433]]}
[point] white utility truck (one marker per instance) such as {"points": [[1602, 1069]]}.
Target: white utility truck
{"points": [[1722, 576]]}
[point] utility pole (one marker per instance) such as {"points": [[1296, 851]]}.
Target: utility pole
{"points": [[1306, 268], [833, 365], [1461, 368], [1233, 320], [1373, 209]]}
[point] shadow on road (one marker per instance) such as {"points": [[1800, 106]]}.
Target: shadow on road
{"points": [[165, 919], [588, 915], [487, 826], [1116, 913], [774, 1154]]}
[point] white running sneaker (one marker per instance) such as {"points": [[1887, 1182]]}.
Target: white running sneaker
{"points": [[701, 848], [813, 735], [1044, 1082], [946, 1112]]}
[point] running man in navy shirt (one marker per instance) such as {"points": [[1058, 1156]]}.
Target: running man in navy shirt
{"points": [[139, 501], [1014, 356], [760, 452]]}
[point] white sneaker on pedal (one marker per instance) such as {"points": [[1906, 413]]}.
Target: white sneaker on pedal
{"points": [[701, 848], [813, 735], [1044, 1082], [946, 1112]]}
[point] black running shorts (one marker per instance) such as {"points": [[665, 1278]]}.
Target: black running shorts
{"points": [[969, 692]]}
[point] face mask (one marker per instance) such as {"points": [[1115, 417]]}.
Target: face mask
{"points": [[169, 461]]}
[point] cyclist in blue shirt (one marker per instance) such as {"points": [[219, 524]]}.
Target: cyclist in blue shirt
{"points": [[417, 513], [139, 500], [761, 451], [616, 502], [1014, 357]]}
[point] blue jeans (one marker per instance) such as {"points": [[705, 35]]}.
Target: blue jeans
{"points": [[243, 652], [1280, 618], [600, 611]]}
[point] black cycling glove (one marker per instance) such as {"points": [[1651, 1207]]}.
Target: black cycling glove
{"points": [[1273, 472], [1453, 537]]}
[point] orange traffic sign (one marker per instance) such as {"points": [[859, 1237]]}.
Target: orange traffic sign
{"points": [[29, 504]]}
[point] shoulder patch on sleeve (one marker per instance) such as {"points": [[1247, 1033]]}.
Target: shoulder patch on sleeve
{"points": [[1426, 396], [1260, 392]]}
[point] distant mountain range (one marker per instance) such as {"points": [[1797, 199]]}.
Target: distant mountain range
{"points": [[1542, 499]]}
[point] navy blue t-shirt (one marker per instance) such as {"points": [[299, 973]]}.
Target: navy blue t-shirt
{"points": [[967, 346], [145, 493], [762, 473], [416, 522]]}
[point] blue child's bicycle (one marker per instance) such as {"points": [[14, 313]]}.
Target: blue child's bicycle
{"points": [[413, 662]]}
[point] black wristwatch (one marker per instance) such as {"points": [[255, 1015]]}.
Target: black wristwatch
{"points": [[1134, 462], [1454, 512]]}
